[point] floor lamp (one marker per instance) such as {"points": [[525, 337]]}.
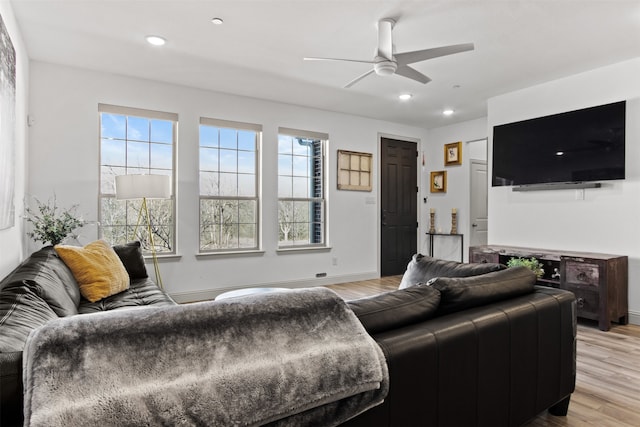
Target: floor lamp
{"points": [[144, 187]]}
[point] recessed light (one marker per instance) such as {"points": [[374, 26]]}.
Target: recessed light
{"points": [[217, 21], [405, 96], [156, 40], [560, 153], [447, 112]]}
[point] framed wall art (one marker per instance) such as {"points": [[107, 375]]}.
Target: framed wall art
{"points": [[354, 170], [7, 128], [439, 181], [453, 153]]}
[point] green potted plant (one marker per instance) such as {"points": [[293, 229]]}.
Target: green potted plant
{"points": [[52, 224], [531, 263]]}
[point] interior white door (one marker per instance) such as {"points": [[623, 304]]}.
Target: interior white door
{"points": [[479, 211]]}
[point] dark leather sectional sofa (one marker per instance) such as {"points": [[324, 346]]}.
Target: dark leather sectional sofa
{"points": [[482, 347], [487, 350]]}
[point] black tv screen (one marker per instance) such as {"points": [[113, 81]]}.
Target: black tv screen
{"points": [[576, 146]]}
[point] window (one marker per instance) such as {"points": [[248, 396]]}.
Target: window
{"points": [[301, 200], [228, 185], [135, 141]]}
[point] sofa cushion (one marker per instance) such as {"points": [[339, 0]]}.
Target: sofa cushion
{"points": [[21, 311], [131, 256], [48, 277], [422, 268], [141, 293], [459, 293], [97, 269], [394, 309]]}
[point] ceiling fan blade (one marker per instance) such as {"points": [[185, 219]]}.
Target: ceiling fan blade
{"points": [[406, 71], [357, 79], [385, 40], [337, 59], [422, 55]]}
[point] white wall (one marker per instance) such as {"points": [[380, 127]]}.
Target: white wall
{"points": [[607, 220], [64, 160], [458, 185], [12, 239]]}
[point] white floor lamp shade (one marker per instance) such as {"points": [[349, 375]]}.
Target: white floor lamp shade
{"points": [[143, 186]]}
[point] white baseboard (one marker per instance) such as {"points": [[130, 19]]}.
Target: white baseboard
{"points": [[634, 317], [209, 294]]}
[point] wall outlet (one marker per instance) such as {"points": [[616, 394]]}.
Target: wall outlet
{"points": [[334, 261], [580, 194]]}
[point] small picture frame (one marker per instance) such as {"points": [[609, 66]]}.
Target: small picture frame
{"points": [[453, 153], [439, 181]]}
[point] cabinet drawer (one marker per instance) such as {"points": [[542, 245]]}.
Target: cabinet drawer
{"points": [[492, 257], [580, 273], [587, 301]]}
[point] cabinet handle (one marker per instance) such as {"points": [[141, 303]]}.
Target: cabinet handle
{"points": [[580, 302]]}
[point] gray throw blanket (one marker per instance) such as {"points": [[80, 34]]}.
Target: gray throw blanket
{"points": [[289, 358]]}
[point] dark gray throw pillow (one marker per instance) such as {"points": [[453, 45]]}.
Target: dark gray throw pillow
{"points": [[394, 309], [422, 268], [131, 256], [459, 293]]}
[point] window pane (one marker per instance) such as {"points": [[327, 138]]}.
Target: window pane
{"points": [[208, 136], [285, 221], [285, 186], [246, 162], [209, 159], [228, 160], [162, 131], [247, 211], [113, 126], [228, 138], [301, 147], [137, 129], [285, 144], [138, 154], [301, 211], [112, 152], [246, 185], [161, 156], [228, 184], [107, 178], [300, 166], [246, 140], [247, 236], [209, 184], [301, 187], [285, 164], [301, 234]]}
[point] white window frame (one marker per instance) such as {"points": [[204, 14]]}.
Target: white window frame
{"points": [[256, 198], [131, 219], [323, 138]]}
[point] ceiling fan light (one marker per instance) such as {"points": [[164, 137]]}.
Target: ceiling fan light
{"points": [[385, 68]]}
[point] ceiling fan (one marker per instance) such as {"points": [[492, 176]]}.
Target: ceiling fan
{"points": [[386, 63]]}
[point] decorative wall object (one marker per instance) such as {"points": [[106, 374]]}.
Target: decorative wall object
{"points": [[454, 221], [7, 128], [453, 153], [439, 181], [354, 170], [432, 221]]}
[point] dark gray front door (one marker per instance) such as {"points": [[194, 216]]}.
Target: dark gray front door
{"points": [[399, 218]]}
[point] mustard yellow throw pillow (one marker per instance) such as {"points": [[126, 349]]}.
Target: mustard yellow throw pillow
{"points": [[97, 269]]}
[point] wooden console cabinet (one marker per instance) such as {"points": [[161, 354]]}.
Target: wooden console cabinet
{"points": [[599, 281]]}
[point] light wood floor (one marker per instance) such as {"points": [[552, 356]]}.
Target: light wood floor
{"points": [[608, 369]]}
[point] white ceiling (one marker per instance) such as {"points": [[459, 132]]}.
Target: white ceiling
{"points": [[258, 51]]}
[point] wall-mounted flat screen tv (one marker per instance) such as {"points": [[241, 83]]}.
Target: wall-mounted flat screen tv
{"points": [[577, 146]]}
